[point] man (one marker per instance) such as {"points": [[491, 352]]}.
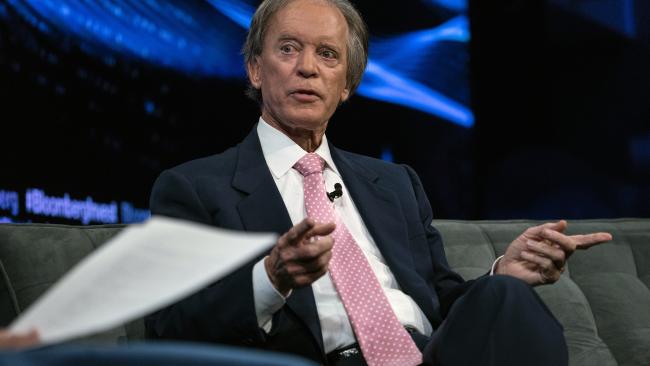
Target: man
{"points": [[360, 278]]}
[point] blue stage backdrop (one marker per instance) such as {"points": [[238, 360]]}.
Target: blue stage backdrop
{"points": [[98, 97], [109, 93]]}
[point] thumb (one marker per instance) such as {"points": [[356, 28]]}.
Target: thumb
{"points": [[322, 229]]}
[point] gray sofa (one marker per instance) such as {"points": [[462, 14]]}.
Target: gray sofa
{"points": [[603, 299]]}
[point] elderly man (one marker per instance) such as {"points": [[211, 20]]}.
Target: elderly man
{"points": [[359, 275]]}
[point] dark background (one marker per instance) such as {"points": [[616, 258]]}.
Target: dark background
{"points": [[560, 92]]}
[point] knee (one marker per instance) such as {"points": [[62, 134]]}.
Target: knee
{"points": [[504, 291], [514, 296], [501, 285]]}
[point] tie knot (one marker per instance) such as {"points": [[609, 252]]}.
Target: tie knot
{"points": [[310, 164]]}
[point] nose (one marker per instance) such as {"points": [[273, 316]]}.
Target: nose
{"points": [[307, 64]]}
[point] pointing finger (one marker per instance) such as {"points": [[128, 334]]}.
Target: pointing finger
{"points": [[588, 240]]}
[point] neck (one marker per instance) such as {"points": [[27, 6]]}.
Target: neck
{"points": [[308, 140]]}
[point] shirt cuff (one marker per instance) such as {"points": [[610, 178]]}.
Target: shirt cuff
{"points": [[267, 299], [494, 265]]}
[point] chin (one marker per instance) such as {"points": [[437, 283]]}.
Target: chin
{"points": [[309, 120]]}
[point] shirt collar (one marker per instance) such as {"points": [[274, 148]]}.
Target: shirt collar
{"points": [[281, 153]]}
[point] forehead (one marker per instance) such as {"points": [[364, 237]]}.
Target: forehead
{"points": [[309, 20]]}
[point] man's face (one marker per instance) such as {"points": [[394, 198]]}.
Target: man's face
{"points": [[302, 70]]}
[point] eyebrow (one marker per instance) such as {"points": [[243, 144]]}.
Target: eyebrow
{"points": [[288, 37]]}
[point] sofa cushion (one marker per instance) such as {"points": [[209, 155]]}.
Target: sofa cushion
{"points": [[35, 256], [602, 300], [612, 278]]}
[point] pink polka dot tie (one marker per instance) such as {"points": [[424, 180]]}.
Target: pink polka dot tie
{"points": [[383, 340]]}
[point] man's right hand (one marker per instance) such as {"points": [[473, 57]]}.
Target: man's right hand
{"points": [[301, 256]]}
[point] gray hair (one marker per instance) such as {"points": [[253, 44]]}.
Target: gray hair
{"points": [[357, 44]]}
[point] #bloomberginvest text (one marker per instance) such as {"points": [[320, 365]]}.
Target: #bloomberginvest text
{"points": [[39, 206]]}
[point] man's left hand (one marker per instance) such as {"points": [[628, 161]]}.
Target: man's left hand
{"points": [[539, 255], [11, 341]]}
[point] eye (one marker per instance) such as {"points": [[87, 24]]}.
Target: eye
{"points": [[329, 54], [287, 49]]}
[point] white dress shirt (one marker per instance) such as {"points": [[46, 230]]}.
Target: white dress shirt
{"points": [[281, 153]]}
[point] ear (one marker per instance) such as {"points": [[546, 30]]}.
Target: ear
{"points": [[254, 72], [345, 94]]}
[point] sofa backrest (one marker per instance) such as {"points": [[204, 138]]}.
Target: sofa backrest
{"points": [[603, 300]]}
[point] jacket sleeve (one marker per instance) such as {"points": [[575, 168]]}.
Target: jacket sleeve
{"points": [[224, 312]]}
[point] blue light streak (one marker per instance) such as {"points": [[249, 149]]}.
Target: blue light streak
{"points": [[26, 13], [629, 21], [186, 37], [387, 155], [410, 44], [159, 32], [396, 64], [239, 12], [149, 107], [383, 84], [3, 11], [408, 53], [454, 5]]}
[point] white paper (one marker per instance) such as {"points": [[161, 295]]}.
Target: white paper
{"points": [[142, 269]]}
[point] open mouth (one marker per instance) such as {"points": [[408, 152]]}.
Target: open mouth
{"points": [[305, 95]]}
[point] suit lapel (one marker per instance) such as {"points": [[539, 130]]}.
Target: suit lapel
{"points": [[263, 210], [380, 210]]}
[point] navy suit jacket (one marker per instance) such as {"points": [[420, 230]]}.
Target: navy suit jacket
{"points": [[236, 190]]}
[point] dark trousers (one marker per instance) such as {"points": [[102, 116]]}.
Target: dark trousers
{"points": [[501, 321]]}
